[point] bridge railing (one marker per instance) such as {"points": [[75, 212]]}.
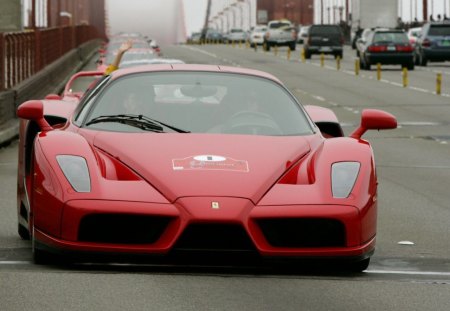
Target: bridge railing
{"points": [[22, 54]]}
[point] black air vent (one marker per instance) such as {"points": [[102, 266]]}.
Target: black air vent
{"points": [[122, 229], [303, 232]]}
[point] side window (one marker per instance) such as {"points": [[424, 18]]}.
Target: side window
{"points": [[88, 99]]}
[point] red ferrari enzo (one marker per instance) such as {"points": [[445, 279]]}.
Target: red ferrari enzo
{"points": [[164, 158]]}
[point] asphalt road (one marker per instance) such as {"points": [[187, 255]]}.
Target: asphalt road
{"points": [[414, 206]]}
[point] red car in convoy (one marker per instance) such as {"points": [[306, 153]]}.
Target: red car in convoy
{"points": [[178, 158]]}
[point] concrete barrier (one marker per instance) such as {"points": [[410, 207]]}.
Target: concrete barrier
{"points": [[51, 79]]}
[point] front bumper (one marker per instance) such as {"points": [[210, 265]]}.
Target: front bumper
{"points": [[238, 226]]}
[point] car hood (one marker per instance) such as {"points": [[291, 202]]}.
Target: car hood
{"points": [[186, 165]]}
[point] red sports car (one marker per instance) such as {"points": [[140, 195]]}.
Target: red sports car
{"points": [[161, 159]]}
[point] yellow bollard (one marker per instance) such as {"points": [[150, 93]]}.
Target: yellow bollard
{"points": [[322, 60], [357, 67], [378, 71], [302, 55], [264, 47], [438, 83], [288, 54], [247, 44], [275, 50], [338, 63], [405, 77]]}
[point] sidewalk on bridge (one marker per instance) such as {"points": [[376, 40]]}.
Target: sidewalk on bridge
{"points": [[34, 88]]}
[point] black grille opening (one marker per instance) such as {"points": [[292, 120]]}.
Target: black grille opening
{"points": [[303, 232], [209, 237], [122, 228]]}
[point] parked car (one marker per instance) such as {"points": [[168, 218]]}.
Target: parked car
{"points": [[302, 34], [237, 35], [214, 36], [434, 43], [256, 36], [387, 47], [413, 34], [355, 36], [175, 159], [280, 33], [324, 39], [195, 38], [363, 39]]}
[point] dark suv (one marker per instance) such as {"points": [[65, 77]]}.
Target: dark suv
{"points": [[385, 46], [326, 39], [433, 44]]}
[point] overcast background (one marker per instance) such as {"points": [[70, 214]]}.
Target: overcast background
{"points": [[169, 21]]}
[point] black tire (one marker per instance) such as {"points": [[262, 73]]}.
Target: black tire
{"points": [[358, 266], [338, 54], [416, 59], [357, 53], [23, 232], [292, 46], [307, 54], [423, 60], [41, 257], [410, 65]]}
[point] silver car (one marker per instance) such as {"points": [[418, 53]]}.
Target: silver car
{"points": [[257, 35]]}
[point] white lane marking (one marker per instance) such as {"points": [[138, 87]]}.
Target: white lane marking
{"points": [[200, 51], [435, 273], [14, 262], [320, 98], [401, 272]]}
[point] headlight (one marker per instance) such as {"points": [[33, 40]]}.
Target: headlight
{"points": [[76, 171], [343, 178]]}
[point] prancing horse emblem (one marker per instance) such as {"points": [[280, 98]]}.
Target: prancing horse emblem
{"points": [[215, 205]]}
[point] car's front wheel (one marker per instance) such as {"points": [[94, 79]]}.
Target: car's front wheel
{"points": [[292, 46], [358, 266]]}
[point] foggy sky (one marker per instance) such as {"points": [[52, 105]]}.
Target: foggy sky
{"points": [[158, 19]]}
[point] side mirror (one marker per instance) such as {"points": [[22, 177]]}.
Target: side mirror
{"points": [[373, 119], [33, 110]]}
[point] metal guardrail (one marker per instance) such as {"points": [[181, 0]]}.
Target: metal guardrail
{"points": [[22, 54]]}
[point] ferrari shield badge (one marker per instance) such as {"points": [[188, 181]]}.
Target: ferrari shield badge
{"points": [[215, 205], [210, 162]]}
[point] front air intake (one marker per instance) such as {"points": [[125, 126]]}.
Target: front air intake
{"points": [[122, 228], [213, 237], [303, 232]]}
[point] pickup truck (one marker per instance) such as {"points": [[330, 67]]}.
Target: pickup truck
{"points": [[280, 33]]}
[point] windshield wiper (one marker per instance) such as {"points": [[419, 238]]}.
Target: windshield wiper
{"points": [[139, 121]]}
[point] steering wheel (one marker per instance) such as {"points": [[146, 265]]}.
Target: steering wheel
{"points": [[252, 122]]}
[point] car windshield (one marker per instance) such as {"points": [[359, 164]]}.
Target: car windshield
{"points": [[259, 29], [277, 25], [323, 30], [390, 37], [439, 30], [200, 102]]}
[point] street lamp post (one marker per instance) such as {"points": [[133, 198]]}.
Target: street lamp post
{"points": [[249, 2]]}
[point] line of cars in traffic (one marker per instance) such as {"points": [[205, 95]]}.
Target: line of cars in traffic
{"points": [[418, 46], [386, 46]]}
